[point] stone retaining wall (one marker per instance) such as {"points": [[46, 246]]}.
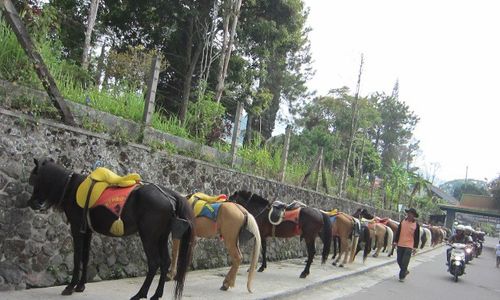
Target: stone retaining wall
{"points": [[36, 248]]}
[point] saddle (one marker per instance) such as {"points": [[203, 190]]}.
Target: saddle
{"points": [[206, 206], [98, 181], [280, 212], [105, 188]]}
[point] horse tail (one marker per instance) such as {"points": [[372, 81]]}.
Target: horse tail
{"points": [[334, 243], [368, 242], [423, 239], [355, 238], [254, 229], [326, 237], [185, 212], [390, 237]]}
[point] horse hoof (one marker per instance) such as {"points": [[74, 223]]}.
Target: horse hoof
{"points": [[67, 291], [261, 269], [303, 275], [334, 263], [375, 255], [341, 266], [80, 288], [224, 288]]}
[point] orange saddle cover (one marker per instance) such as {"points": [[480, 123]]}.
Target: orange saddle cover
{"points": [[114, 198]]}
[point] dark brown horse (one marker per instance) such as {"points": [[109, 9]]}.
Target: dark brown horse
{"points": [[312, 223], [150, 210]]}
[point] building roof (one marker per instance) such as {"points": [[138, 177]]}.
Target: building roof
{"points": [[443, 195], [470, 210]]}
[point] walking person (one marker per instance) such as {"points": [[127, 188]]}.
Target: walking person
{"points": [[407, 238]]}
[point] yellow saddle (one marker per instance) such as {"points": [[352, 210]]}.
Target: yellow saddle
{"points": [[330, 213], [198, 201], [102, 178]]}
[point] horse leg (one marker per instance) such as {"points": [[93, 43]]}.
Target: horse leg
{"points": [[164, 265], [264, 262], [77, 258], [392, 251], [345, 251], [80, 287], [152, 250], [236, 257], [311, 251], [175, 253]]}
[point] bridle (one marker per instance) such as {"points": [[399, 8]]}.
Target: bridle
{"points": [[262, 211], [65, 189]]}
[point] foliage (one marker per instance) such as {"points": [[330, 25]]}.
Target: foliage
{"points": [[395, 129], [494, 189], [205, 120], [458, 187], [130, 67]]}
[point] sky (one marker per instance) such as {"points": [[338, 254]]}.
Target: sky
{"points": [[446, 56]]}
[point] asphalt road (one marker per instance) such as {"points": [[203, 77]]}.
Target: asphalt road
{"points": [[428, 279]]}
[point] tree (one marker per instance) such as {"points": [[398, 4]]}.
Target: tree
{"points": [[395, 129], [494, 189], [231, 11], [273, 39], [94, 5]]}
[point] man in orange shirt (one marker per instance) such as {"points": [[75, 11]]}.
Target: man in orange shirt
{"points": [[407, 237]]}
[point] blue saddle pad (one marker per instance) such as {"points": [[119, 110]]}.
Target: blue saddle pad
{"points": [[210, 211], [332, 219]]}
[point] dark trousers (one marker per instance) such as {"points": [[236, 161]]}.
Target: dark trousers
{"points": [[404, 255]]}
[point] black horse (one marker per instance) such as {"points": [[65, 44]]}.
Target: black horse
{"points": [[151, 211], [312, 223]]}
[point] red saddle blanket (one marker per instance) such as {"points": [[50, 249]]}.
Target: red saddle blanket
{"points": [[114, 198], [293, 216]]}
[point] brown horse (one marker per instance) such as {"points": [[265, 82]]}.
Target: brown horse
{"points": [[344, 228], [230, 221], [383, 238], [380, 234], [437, 235], [311, 222]]}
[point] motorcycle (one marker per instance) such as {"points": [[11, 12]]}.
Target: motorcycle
{"points": [[468, 253], [457, 260]]}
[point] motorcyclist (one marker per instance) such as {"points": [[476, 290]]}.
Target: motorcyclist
{"points": [[458, 237]]}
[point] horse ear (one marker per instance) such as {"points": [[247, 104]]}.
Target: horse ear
{"points": [[51, 160], [35, 161]]}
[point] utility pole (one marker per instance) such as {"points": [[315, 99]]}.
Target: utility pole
{"points": [[345, 170]]}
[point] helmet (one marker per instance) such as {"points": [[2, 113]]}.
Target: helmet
{"points": [[468, 228], [460, 227]]}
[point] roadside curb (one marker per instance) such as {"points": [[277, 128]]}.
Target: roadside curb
{"points": [[328, 280]]}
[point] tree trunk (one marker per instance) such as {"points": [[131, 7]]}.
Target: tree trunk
{"points": [[352, 131], [100, 65], [12, 17], [234, 12], [94, 5], [207, 56], [191, 61]]}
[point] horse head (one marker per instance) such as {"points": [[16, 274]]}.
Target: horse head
{"points": [[240, 197], [44, 179], [365, 214]]}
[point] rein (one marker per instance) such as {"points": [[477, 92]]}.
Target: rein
{"points": [[65, 189], [262, 211]]}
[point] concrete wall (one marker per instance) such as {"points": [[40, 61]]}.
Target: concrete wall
{"points": [[36, 248]]}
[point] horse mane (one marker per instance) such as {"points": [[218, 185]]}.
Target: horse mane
{"points": [[255, 198]]}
